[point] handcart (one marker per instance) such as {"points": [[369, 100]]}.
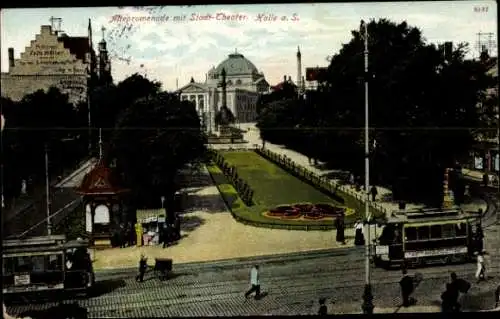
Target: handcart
{"points": [[163, 267]]}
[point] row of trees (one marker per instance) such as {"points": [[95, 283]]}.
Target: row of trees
{"points": [[424, 112]]}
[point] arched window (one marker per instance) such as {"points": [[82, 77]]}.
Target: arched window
{"points": [[101, 215], [238, 82]]}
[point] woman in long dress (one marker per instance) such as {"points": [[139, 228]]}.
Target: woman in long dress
{"points": [[359, 238]]}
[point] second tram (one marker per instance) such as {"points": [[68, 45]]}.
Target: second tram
{"points": [[427, 236]]}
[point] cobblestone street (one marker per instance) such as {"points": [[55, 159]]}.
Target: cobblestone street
{"points": [[293, 285]]}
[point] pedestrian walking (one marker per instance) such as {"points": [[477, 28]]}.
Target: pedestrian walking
{"points": [[339, 225], [448, 299], [254, 282], [481, 267], [406, 284], [479, 236], [359, 238], [323, 311], [497, 296], [177, 227], [374, 192], [143, 266]]}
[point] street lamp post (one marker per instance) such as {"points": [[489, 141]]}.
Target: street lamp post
{"points": [[47, 192], [367, 295]]}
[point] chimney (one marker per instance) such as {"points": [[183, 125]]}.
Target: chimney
{"points": [[290, 79], [11, 57], [284, 78]]}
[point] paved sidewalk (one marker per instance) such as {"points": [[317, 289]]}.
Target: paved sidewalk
{"points": [[206, 223], [385, 203], [253, 137]]}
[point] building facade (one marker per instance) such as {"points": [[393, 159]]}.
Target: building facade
{"points": [[54, 59], [244, 84]]}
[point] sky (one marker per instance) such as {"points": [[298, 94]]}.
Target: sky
{"points": [[177, 49]]}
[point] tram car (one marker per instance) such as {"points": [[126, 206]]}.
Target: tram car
{"points": [[44, 264], [413, 238]]}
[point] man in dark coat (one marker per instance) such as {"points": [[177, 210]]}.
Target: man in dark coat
{"points": [[323, 311], [339, 225], [457, 286], [447, 299], [406, 284], [177, 227], [143, 266], [497, 296]]}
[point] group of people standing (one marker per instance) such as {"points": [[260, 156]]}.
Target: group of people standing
{"points": [[124, 236], [170, 232]]}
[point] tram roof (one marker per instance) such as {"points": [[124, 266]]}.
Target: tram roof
{"points": [[40, 243], [428, 215]]}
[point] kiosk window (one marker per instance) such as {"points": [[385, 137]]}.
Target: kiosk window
{"points": [[461, 229], [436, 231], [423, 233], [411, 234]]}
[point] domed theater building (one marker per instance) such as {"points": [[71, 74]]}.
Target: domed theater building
{"points": [[244, 84]]}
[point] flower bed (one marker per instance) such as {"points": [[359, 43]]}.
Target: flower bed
{"points": [[276, 212], [304, 208], [313, 215], [307, 211], [330, 210]]}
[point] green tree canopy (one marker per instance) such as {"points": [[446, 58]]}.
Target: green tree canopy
{"points": [[153, 139], [423, 110], [40, 118]]}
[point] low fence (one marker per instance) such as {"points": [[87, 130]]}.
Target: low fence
{"points": [[243, 189], [331, 187]]}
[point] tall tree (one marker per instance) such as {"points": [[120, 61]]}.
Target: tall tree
{"points": [[423, 109], [153, 139]]}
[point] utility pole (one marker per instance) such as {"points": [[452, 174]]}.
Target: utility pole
{"points": [[100, 144], [3, 158], [89, 119], [47, 191], [367, 295]]}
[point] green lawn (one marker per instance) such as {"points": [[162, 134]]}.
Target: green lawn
{"points": [[272, 185], [253, 214]]}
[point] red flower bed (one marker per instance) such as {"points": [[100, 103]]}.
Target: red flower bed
{"points": [[276, 212], [304, 208], [313, 216], [291, 215], [330, 210], [284, 208]]}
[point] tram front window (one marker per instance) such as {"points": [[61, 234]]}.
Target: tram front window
{"points": [[34, 269]]}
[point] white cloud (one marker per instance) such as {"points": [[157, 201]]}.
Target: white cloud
{"points": [[190, 48]]}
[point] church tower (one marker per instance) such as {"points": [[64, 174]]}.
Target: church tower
{"points": [[104, 63], [299, 69]]}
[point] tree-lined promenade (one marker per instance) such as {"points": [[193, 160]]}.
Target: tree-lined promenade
{"points": [[427, 105]]}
